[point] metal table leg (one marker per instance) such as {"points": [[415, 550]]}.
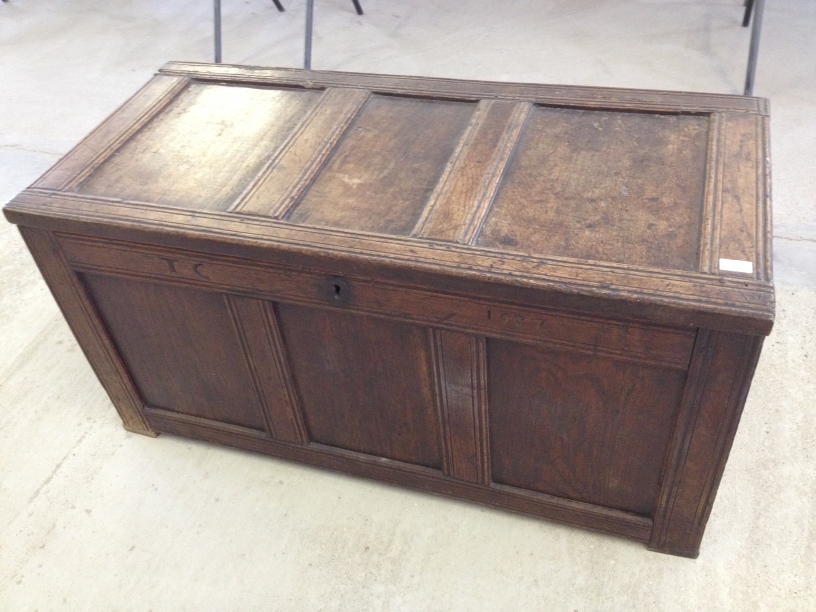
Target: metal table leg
{"points": [[749, 8], [217, 21], [307, 52], [759, 7]]}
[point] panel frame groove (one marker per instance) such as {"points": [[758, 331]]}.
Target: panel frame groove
{"points": [[482, 409], [438, 370], [282, 362], [764, 222], [249, 362], [713, 195], [150, 113], [678, 451], [305, 175], [470, 231], [475, 466], [443, 186], [597, 518]]}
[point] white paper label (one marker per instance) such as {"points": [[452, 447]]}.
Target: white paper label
{"points": [[737, 265]]}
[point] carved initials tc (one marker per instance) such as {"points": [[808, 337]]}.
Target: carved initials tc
{"points": [[171, 264]]}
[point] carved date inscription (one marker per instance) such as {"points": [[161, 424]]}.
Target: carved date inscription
{"points": [[518, 321]]}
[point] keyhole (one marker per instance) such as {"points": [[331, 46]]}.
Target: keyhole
{"points": [[336, 291]]}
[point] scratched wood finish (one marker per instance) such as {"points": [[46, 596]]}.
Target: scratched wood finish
{"points": [[508, 293], [380, 176], [609, 194], [211, 382], [213, 135], [545, 406], [365, 384]]}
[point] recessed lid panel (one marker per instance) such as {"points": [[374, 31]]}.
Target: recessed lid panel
{"points": [[381, 174], [204, 148], [607, 186]]}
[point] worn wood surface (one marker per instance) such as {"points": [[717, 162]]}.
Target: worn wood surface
{"points": [[509, 293]]}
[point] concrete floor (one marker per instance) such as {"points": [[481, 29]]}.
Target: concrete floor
{"points": [[95, 518]]}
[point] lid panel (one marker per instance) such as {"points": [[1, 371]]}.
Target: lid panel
{"points": [[609, 186], [383, 171], [204, 148]]}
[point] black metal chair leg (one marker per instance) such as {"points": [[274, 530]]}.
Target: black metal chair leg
{"points": [[749, 7], [753, 53], [278, 5], [307, 52], [217, 21]]}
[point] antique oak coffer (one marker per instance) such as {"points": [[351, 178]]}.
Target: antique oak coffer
{"points": [[548, 299]]}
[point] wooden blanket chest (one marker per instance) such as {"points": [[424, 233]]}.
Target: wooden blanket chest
{"points": [[548, 299]]}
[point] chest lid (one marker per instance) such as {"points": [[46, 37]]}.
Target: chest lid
{"points": [[647, 197]]}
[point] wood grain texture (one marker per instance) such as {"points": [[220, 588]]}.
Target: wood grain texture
{"points": [[741, 193], [622, 340], [508, 293], [565, 95], [89, 330], [289, 173], [617, 290], [567, 511], [764, 231], [460, 376], [719, 380], [112, 133], [711, 222], [180, 348], [583, 428], [365, 384], [608, 194], [213, 135], [381, 174], [459, 204], [257, 327]]}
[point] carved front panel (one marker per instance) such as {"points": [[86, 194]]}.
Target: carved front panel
{"points": [[546, 403]]}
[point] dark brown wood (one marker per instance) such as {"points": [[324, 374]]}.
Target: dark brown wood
{"points": [[548, 299], [211, 381], [722, 368], [86, 325], [363, 383], [460, 376], [607, 204], [587, 428], [218, 136], [268, 363], [385, 169]]}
